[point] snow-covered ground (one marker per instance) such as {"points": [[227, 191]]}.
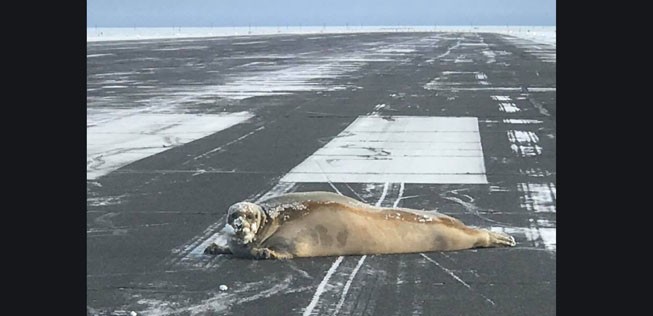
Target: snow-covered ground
{"points": [[540, 34]]}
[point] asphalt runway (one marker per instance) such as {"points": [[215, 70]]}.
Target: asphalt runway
{"points": [[461, 123]]}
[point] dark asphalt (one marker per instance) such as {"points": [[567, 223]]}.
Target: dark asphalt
{"points": [[146, 219]]}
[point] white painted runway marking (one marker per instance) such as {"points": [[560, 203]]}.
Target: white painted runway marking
{"points": [[345, 290], [522, 121], [334, 266], [407, 149], [524, 143], [538, 197], [508, 107], [111, 144], [453, 275], [452, 80], [501, 98], [320, 287]]}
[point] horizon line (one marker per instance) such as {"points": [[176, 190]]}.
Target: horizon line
{"points": [[311, 25]]}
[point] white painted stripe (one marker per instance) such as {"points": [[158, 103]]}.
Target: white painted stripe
{"points": [[321, 286], [447, 80], [378, 107], [406, 146], [526, 150], [395, 177], [383, 194], [401, 149], [535, 172], [371, 150], [410, 136], [508, 107], [501, 98], [538, 197], [334, 266], [516, 136], [398, 123], [345, 290], [392, 165], [543, 89], [401, 194], [453, 275], [524, 143], [522, 121], [117, 141]]}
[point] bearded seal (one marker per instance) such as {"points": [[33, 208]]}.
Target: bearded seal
{"points": [[313, 224]]}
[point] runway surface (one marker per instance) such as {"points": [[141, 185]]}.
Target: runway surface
{"points": [[180, 129]]}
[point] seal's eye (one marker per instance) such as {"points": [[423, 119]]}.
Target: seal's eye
{"points": [[249, 216], [233, 216]]}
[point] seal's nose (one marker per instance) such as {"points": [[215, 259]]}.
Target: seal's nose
{"points": [[238, 223]]}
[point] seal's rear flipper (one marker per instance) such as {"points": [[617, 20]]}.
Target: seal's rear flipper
{"points": [[215, 249], [498, 239]]}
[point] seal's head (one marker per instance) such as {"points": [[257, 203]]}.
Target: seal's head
{"points": [[246, 219]]}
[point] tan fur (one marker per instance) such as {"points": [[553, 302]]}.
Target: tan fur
{"points": [[330, 225]]}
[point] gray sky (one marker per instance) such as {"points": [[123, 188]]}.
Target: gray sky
{"points": [[151, 13]]}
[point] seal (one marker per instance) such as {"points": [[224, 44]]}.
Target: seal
{"points": [[313, 224]]}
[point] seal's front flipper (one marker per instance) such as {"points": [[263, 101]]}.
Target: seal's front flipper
{"points": [[215, 249], [265, 253]]}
